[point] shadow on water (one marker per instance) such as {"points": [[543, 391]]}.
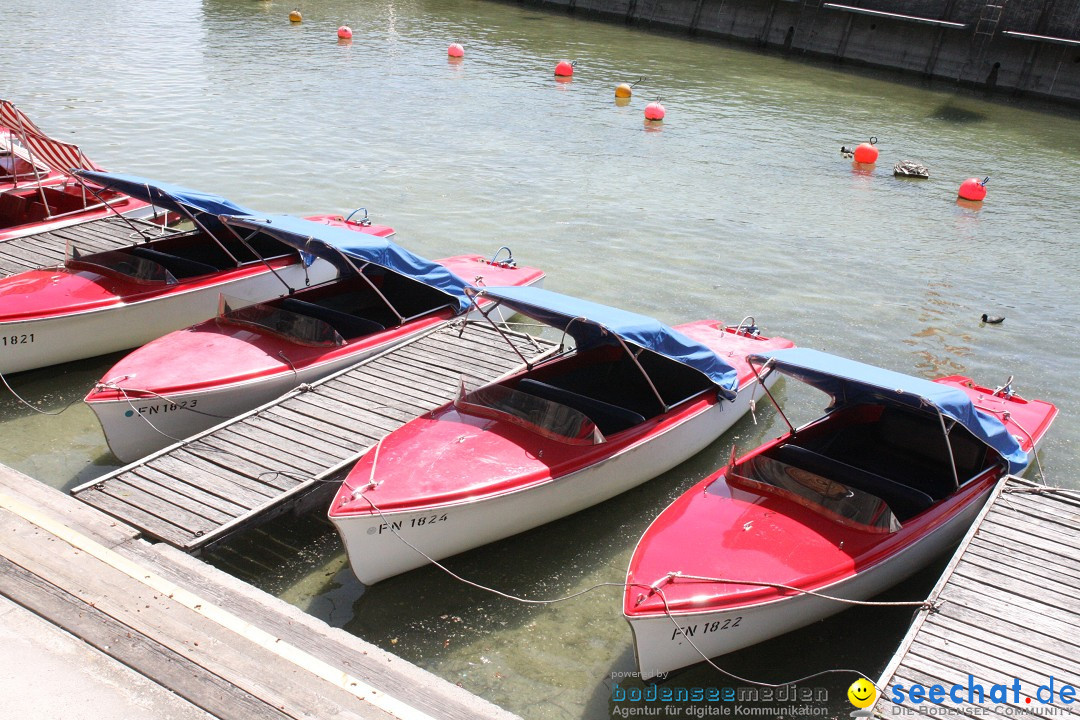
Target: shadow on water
{"points": [[952, 113]]}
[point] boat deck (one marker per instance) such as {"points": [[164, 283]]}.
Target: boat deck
{"points": [[289, 453], [217, 643], [1009, 610], [46, 249]]}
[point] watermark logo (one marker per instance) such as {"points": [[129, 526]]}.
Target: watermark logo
{"points": [[862, 695]]}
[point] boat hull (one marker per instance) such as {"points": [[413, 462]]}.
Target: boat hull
{"points": [[661, 646], [376, 542], [138, 423], [38, 342]]}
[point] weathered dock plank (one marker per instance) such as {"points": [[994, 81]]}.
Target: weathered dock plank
{"points": [[46, 249], [243, 472], [1007, 615], [221, 645]]}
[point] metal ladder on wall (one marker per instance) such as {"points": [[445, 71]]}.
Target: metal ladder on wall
{"points": [[985, 30]]}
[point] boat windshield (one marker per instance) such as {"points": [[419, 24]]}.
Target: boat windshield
{"points": [[837, 501], [543, 417], [297, 328], [117, 263]]}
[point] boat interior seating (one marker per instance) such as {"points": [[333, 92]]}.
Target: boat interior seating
{"points": [[347, 325], [179, 267], [606, 385], [908, 447], [607, 417], [904, 501]]}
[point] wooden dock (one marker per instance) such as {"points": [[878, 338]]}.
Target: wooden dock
{"points": [[1008, 608], [280, 456], [217, 643], [46, 249]]}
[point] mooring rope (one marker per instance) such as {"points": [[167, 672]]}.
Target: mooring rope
{"points": [[929, 604], [31, 406]]}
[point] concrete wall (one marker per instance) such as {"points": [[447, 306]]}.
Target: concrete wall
{"points": [[978, 54]]}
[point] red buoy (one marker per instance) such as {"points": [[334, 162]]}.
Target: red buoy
{"points": [[866, 153], [973, 189], [344, 32], [455, 50], [655, 111], [565, 68]]}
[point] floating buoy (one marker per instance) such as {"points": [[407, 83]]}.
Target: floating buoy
{"points": [[655, 111], [344, 32], [623, 91], [992, 319], [973, 189], [455, 50], [295, 16], [866, 153], [565, 68]]}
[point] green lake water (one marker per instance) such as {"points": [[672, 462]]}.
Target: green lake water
{"points": [[738, 204]]}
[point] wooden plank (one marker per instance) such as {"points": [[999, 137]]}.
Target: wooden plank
{"points": [[142, 653], [188, 501], [1006, 538], [189, 634], [344, 439], [372, 416], [150, 524], [400, 373], [293, 436], [246, 461], [994, 650], [309, 459], [341, 428], [1051, 594], [190, 522], [210, 477], [332, 645], [225, 506], [406, 408], [1017, 518], [1035, 565], [1041, 617], [71, 512], [413, 394], [960, 667]]}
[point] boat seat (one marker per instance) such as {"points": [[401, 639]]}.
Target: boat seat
{"points": [[609, 418], [180, 267], [904, 501], [348, 326]]}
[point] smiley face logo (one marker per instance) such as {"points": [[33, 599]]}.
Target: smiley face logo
{"points": [[862, 693]]}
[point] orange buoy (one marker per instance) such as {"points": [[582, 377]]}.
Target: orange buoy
{"points": [[565, 68], [655, 111], [623, 91], [866, 153], [973, 189], [455, 50], [344, 32], [295, 16]]}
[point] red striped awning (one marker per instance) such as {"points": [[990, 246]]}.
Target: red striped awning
{"points": [[43, 149]]}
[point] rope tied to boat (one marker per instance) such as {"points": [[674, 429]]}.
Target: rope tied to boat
{"points": [[656, 588], [33, 407], [671, 578]]}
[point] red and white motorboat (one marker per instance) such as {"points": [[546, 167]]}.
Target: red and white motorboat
{"points": [[631, 400], [37, 191], [101, 302], [848, 505], [192, 379]]}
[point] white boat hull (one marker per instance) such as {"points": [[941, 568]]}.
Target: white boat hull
{"points": [[36, 343], [665, 643], [375, 543], [134, 427]]}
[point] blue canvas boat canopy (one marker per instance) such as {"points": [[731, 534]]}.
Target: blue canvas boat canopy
{"points": [[592, 324], [850, 383], [329, 242], [168, 196]]}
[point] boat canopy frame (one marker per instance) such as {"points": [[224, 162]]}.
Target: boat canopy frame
{"points": [[552, 305], [849, 382]]}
